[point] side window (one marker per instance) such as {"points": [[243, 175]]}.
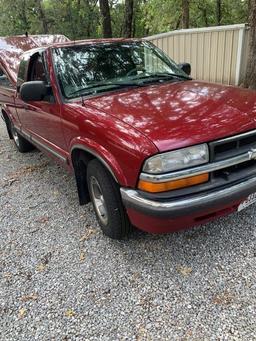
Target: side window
{"points": [[37, 70], [4, 81]]}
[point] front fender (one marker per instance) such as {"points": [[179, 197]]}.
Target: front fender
{"points": [[100, 153]]}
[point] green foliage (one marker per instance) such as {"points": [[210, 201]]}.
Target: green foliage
{"points": [[203, 12], [81, 18], [117, 16], [161, 15]]}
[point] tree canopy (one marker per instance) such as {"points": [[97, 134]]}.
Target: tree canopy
{"points": [[79, 19]]}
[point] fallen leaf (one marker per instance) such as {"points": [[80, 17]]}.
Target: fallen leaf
{"points": [[141, 334], [20, 253], [28, 169], [145, 301], [40, 267], [34, 168], [188, 335], [223, 298], [69, 313], [7, 275], [43, 220], [82, 256], [89, 233], [22, 312], [135, 277], [184, 270], [31, 297]]}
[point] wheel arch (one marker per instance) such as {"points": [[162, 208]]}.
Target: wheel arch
{"points": [[7, 121], [81, 155]]}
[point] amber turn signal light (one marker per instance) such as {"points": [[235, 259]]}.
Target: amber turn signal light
{"points": [[172, 185]]}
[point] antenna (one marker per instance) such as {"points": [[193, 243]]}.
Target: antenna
{"points": [[83, 104]]}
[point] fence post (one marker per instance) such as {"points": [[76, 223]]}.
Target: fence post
{"points": [[239, 56]]}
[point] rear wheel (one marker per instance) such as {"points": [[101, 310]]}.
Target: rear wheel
{"points": [[22, 144], [8, 124], [106, 199]]}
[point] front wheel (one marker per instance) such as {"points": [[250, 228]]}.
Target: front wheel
{"points": [[22, 144], [107, 202]]}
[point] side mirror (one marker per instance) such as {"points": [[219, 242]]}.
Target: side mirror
{"points": [[186, 67], [33, 91]]}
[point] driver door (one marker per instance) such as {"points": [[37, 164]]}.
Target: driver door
{"points": [[41, 119]]}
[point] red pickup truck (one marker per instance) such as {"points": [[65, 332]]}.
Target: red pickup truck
{"points": [[149, 146]]}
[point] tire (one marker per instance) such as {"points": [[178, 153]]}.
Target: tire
{"points": [[21, 144], [8, 125], [106, 199]]}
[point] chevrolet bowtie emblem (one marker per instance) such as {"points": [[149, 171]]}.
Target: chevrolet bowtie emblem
{"points": [[252, 154]]}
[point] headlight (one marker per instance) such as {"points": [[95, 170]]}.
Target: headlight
{"points": [[178, 159]]}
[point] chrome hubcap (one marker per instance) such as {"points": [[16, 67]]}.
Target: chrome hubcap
{"points": [[98, 200]]}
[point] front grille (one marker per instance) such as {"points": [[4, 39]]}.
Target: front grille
{"points": [[232, 146]]}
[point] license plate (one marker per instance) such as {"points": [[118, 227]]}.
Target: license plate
{"points": [[247, 202]]}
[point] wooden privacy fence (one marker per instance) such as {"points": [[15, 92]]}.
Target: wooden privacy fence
{"points": [[217, 54]]}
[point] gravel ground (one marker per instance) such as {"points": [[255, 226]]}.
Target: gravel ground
{"points": [[61, 279]]}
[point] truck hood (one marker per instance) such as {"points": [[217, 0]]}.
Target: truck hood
{"points": [[175, 115]]}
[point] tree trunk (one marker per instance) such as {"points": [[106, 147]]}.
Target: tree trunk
{"points": [[73, 28], [205, 17], [42, 17], [134, 25], [177, 24], [250, 77], [128, 16], [218, 12], [185, 13], [24, 15], [248, 10], [78, 17], [106, 19]]}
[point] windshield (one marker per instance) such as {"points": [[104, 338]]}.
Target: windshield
{"points": [[88, 69]]}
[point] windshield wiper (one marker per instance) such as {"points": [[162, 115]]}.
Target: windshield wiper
{"points": [[88, 91], [164, 75], [173, 75], [141, 82]]}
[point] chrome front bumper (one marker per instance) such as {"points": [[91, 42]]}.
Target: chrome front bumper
{"points": [[191, 205]]}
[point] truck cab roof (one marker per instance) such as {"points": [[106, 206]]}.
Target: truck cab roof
{"points": [[11, 49]]}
